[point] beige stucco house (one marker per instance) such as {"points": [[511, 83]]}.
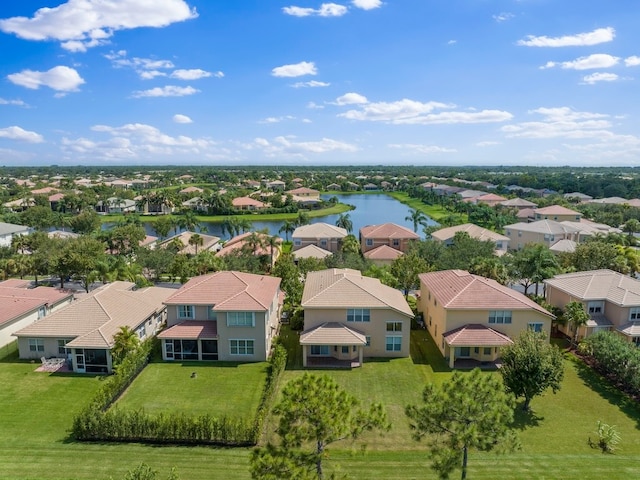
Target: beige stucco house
{"points": [[447, 235], [546, 232], [471, 317], [230, 316], [391, 235], [83, 331], [348, 316], [556, 213], [611, 299], [323, 235]]}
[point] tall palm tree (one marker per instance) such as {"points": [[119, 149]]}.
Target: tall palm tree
{"points": [[188, 220], [196, 240], [124, 341], [417, 218], [287, 227], [245, 224], [344, 221]]}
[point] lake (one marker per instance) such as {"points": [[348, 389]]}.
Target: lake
{"points": [[371, 209]]}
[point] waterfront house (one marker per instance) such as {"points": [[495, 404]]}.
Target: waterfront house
{"points": [[391, 235], [348, 316], [83, 331], [323, 235], [230, 316], [247, 203], [183, 243], [546, 232], [471, 317], [447, 236], [611, 299]]}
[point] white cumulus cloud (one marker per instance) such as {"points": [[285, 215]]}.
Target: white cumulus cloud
{"points": [[295, 70], [367, 4], [82, 24], [179, 118], [325, 10], [632, 61], [597, 36], [60, 78], [599, 77], [351, 98], [17, 133], [503, 17], [597, 60], [289, 146], [20, 103], [191, 74], [561, 122], [310, 84], [166, 91]]}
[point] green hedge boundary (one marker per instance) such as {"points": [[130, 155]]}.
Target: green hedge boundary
{"points": [[99, 422]]}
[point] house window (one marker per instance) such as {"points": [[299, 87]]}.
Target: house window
{"points": [[595, 307], [297, 242], [508, 233], [142, 331], [500, 316], [487, 350], [393, 343], [396, 242], [62, 350], [36, 345], [345, 349], [358, 315], [186, 311], [241, 347], [369, 242], [476, 350], [519, 233], [368, 341], [42, 311], [323, 242], [241, 319], [536, 327], [394, 326], [498, 245], [634, 313], [211, 313], [319, 349]]}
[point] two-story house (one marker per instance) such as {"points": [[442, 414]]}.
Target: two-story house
{"points": [[471, 317], [546, 232], [556, 213], [611, 299], [387, 237], [230, 316], [348, 316], [323, 235], [447, 235]]}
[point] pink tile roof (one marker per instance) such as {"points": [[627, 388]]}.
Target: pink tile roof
{"points": [[192, 330], [239, 241], [490, 197], [303, 191], [383, 252], [41, 191], [556, 210], [228, 291], [459, 289], [16, 301], [474, 335], [246, 202], [191, 190], [56, 197], [388, 230]]}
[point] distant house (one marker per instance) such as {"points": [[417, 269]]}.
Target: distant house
{"points": [[304, 192], [471, 317], [242, 242], [276, 185], [546, 232], [333, 186], [490, 199], [382, 255], [348, 316], [188, 190], [519, 203], [21, 306], [447, 235], [311, 251], [195, 203], [578, 197], [247, 203], [323, 235], [209, 242], [369, 187], [390, 235], [83, 331], [115, 205], [556, 213], [611, 299], [230, 316], [10, 230]]}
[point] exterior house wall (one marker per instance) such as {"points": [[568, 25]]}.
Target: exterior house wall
{"points": [[330, 244], [370, 243], [50, 348], [376, 328], [5, 240], [558, 218], [519, 238], [19, 323]]}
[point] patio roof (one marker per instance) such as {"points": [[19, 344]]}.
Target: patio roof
{"points": [[599, 321], [475, 335], [631, 329], [191, 330], [332, 333]]}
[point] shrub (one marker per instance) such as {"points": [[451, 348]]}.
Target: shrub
{"points": [[608, 437]]}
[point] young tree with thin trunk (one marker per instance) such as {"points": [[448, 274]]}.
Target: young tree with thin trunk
{"points": [[576, 316], [470, 411], [531, 365], [314, 411]]}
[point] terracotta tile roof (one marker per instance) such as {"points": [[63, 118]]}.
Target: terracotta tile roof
{"points": [[490, 197], [476, 335], [16, 300], [319, 230], [191, 190], [556, 210], [95, 318], [191, 330], [45, 190], [599, 285], [525, 213], [332, 333], [239, 241], [459, 290], [247, 202], [56, 197], [388, 230], [228, 291], [550, 227], [346, 288], [311, 251], [303, 191], [383, 252], [473, 230]]}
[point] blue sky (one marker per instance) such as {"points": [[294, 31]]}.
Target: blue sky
{"points": [[248, 82]]}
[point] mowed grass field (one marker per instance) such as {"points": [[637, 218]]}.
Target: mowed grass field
{"points": [[37, 409]]}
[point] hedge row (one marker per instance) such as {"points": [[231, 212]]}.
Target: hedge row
{"points": [[615, 358], [97, 422]]}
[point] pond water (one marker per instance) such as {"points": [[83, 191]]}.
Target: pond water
{"points": [[370, 210]]}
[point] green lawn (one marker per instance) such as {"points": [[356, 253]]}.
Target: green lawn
{"points": [[37, 410], [219, 389], [436, 212]]}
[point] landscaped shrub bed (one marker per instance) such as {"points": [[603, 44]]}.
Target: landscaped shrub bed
{"points": [[98, 422], [614, 358]]}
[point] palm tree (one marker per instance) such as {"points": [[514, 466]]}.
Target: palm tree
{"points": [[303, 219], [196, 240], [188, 220], [287, 227], [245, 224], [575, 314], [344, 221], [124, 341], [417, 218]]}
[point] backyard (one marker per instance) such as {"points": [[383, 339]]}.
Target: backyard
{"points": [[38, 409]]}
